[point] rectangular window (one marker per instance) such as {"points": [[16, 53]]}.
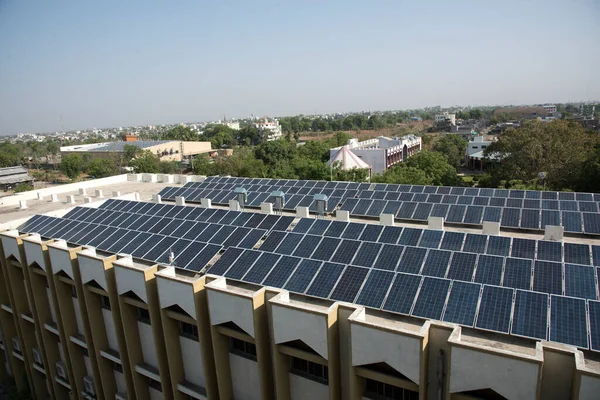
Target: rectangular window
{"points": [[242, 348], [379, 390], [143, 315], [118, 367], [188, 330], [105, 302], [310, 370], [73, 291], [154, 384]]}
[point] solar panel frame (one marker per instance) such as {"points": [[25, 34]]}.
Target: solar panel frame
{"points": [[349, 284], [495, 309], [568, 321], [530, 317], [517, 273], [489, 270], [431, 298], [548, 277], [375, 288], [402, 293], [462, 302]]}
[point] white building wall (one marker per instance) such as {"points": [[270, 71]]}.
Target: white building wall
{"points": [[172, 292], [374, 157], [78, 318], [302, 388], [291, 324], [224, 307], [192, 361], [111, 334], [244, 378], [147, 343]]}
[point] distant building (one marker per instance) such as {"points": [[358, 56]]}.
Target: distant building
{"points": [[166, 150], [550, 108], [269, 128], [445, 119], [587, 110], [382, 152], [12, 176], [233, 125], [475, 153]]}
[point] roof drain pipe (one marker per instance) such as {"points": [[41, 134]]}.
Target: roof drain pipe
{"points": [[441, 374]]}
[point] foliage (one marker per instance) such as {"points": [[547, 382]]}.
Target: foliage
{"points": [[72, 165], [168, 167], [9, 155], [130, 152], [403, 174], [348, 122], [180, 133], [101, 168], [435, 166], [559, 148], [23, 187], [341, 138], [354, 174], [146, 162], [453, 147]]}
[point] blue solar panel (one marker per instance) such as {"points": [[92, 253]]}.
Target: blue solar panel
{"points": [[530, 219], [550, 217], [436, 264], [498, 245], [306, 247], [432, 298], [303, 275], [549, 251], [282, 271], [576, 253], [326, 248], [402, 293], [261, 268], [349, 284], [289, 243], [511, 217], [462, 303], [377, 207], [594, 311], [568, 321], [392, 207], [272, 241], [495, 309], [336, 228], [596, 255], [242, 264], [456, 213], [345, 251], [422, 212], [462, 266], [367, 253], [475, 243], [410, 236], [375, 288], [452, 241], [389, 257], [591, 223], [439, 210], [371, 232], [319, 227], [523, 248], [492, 214], [547, 277], [580, 281], [489, 270], [353, 231], [531, 315], [325, 280], [473, 215], [390, 234], [406, 210], [412, 259], [572, 221], [517, 273], [431, 239], [252, 238]]}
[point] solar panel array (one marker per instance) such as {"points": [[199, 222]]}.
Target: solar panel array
{"points": [[513, 209], [535, 289]]}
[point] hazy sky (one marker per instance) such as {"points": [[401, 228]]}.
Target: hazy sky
{"points": [[127, 62]]}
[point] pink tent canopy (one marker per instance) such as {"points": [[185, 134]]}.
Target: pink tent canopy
{"points": [[348, 160]]}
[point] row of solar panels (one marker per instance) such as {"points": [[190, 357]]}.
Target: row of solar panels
{"points": [[517, 312], [459, 191], [515, 218]]}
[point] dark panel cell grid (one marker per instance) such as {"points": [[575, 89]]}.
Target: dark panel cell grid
{"points": [[349, 284], [282, 271], [576, 253], [431, 239], [371, 232], [517, 273], [375, 288], [367, 253], [547, 277], [389, 257], [531, 315], [568, 321], [325, 280], [580, 281], [462, 303], [432, 298], [402, 294], [261, 267], [495, 309], [436, 264], [462, 266], [452, 241], [345, 251], [303, 275], [489, 270]]}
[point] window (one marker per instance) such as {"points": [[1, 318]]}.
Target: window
{"points": [[143, 315], [310, 370], [154, 384], [242, 348], [475, 147], [105, 302], [73, 291], [188, 330], [483, 147], [118, 367], [380, 390]]}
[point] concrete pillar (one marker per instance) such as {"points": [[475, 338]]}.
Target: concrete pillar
{"points": [[116, 193], [554, 233], [87, 199], [386, 219], [185, 179], [266, 208], [149, 178], [40, 196], [99, 193], [82, 192], [156, 198], [136, 196], [70, 199], [302, 212], [342, 215], [53, 198], [436, 223], [491, 228], [234, 205], [206, 203], [22, 204], [180, 200]]}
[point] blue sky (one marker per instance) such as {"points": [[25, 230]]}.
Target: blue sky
{"points": [[118, 63]]}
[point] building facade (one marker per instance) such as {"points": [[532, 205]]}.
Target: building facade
{"points": [[269, 128]]}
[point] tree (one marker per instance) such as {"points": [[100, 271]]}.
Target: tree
{"points": [[453, 147], [353, 174], [146, 162], [23, 187], [72, 165], [168, 167], [203, 165], [558, 148], [130, 152], [181, 132], [435, 166], [341, 138], [403, 174], [101, 168]]}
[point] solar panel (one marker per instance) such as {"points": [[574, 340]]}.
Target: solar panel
{"points": [[242, 264], [498, 245], [303, 276], [572, 221], [412, 259], [489, 270], [158, 249], [594, 311], [303, 226], [550, 217], [122, 242], [252, 238], [389, 257], [588, 207], [308, 244], [325, 280], [576, 253], [456, 213], [568, 321], [289, 243], [319, 227], [282, 271], [390, 234], [439, 210], [475, 243], [431, 239], [436, 264], [523, 248], [349, 204], [530, 219], [492, 214], [353, 231], [580, 281], [517, 273], [209, 232], [371, 232], [362, 207], [176, 248], [336, 228], [497, 202], [203, 257], [495, 309], [406, 210], [549, 251], [473, 215], [591, 223], [462, 303], [377, 207], [326, 248], [128, 249], [272, 241], [547, 277], [596, 255], [196, 230], [185, 257], [345, 251], [367, 253], [146, 246], [531, 315], [375, 288], [392, 207], [452, 241], [402, 293], [410, 236], [261, 267], [462, 266], [511, 217], [432, 297], [349, 284]]}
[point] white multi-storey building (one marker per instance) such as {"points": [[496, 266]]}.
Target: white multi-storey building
{"points": [[269, 128]]}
